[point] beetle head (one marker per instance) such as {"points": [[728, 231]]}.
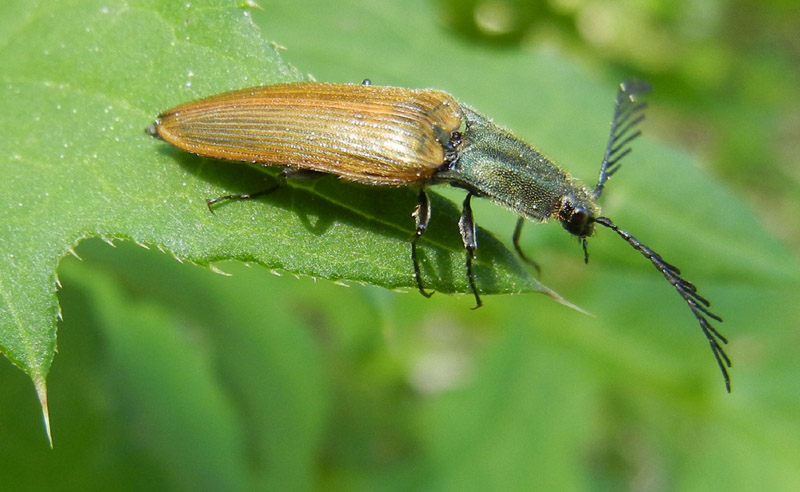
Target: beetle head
{"points": [[577, 218]]}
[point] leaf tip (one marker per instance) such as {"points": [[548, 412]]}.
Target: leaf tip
{"points": [[557, 297], [41, 392]]}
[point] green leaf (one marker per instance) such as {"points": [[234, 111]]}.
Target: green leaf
{"points": [[87, 78]]}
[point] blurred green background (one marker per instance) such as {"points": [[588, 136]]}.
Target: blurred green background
{"points": [[170, 377]]}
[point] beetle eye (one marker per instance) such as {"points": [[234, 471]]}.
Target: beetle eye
{"points": [[577, 221]]}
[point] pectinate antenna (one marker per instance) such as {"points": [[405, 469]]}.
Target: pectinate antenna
{"points": [[697, 304], [628, 113]]}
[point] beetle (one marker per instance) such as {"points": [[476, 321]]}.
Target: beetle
{"points": [[389, 136]]}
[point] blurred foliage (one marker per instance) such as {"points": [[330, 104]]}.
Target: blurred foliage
{"points": [[726, 72]]}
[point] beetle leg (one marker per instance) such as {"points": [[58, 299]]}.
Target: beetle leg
{"points": [[421, 215], [286, 173], [244, 196], [515, 240], [466, 225]]}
